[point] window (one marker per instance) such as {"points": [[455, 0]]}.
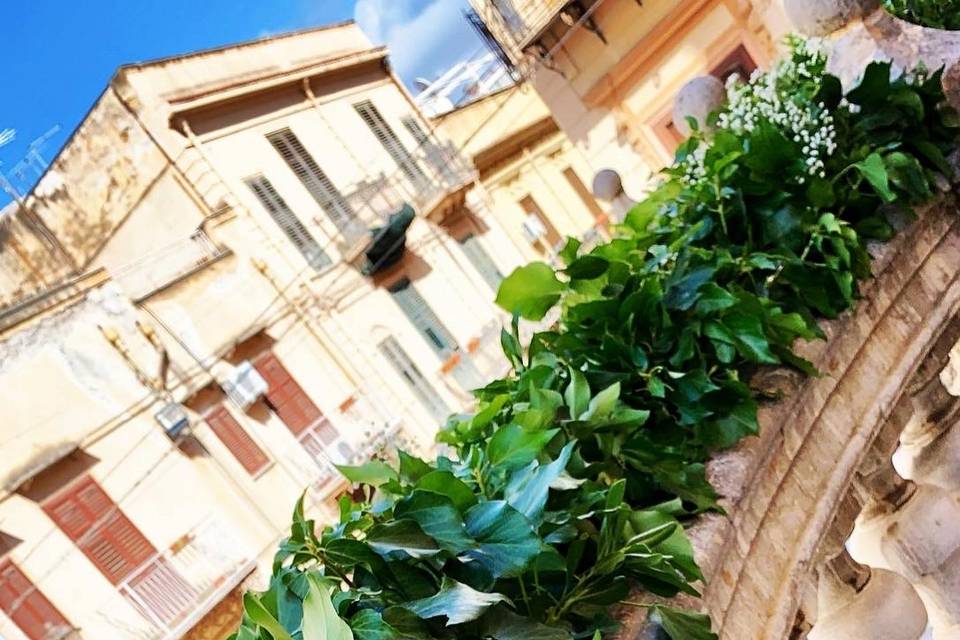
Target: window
{"points": [[314, 179], [87, 515], [481, 260], [435, 155], [584, 194], [288, 222], [423, 318], [236, 439], [390, 142], [420, 386], [538, 227], [739, 62], [286, 397], [26, 605]]}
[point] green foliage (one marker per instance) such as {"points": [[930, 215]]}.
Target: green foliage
{"points": [[574, 479], [939, 14]]}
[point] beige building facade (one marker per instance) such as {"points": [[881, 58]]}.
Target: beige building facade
{"points": [[247, 265], [531, 178], [608, 70]]}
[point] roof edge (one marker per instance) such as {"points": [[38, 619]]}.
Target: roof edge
{"points": [[235, 45]]}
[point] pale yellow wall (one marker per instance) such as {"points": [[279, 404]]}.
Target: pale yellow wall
{"points": [[606, 115]]}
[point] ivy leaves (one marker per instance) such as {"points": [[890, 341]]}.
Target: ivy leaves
{"points": [[575, 477]]}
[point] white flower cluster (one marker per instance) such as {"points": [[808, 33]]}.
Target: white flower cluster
{"points": [[695, 167], [777, 97]]}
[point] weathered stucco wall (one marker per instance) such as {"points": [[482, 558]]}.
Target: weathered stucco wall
{"points": [[97, 179]]}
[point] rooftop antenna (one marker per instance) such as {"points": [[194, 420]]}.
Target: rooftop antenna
{"points": [[6, 137], [32, 159]]}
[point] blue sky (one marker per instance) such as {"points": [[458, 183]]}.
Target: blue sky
{"points": [[59, 54]]}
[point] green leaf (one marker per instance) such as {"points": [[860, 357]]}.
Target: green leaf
{"points": [[602, 404], [875, 171], [751, 339], [500, 623], [455, 601], [404, 537], [320, 620], [512, 446], [257, 613], [437, 517], [368, 624], [412, 468], [683, 625], [447, 484], [587, 267], [373, 473], [530, 291], [506, 539], [528, 488], [577, 394]]}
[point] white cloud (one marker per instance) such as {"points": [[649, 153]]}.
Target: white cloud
{"points": [[424, 38]]}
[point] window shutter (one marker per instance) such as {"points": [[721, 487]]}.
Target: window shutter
{"points": [[314, 179], [423, 318], [412, 375], [481, 260], [26, 605], [287, 398], [435, 155], [390, 142], [87, 515], [584, 194], [288, 222], [236, 439]]}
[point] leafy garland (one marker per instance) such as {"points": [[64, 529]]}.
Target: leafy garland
{"points": [[572, 482], [938, 14]]}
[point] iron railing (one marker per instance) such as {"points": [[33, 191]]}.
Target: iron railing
{"points": [[440, 171], [521, 20], [161, 268], [178, 586]]}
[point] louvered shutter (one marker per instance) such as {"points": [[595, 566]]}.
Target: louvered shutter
{"points": [[287, 398], [481, 260], [87, 515], [288, 222], [435, 155], [412, 375], [314, 179], [423, 318], [390, 142], [26, 605], [236, 439]]}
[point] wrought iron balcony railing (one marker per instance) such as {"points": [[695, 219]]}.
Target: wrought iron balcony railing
{"points": [[434, 171], [522, 20], [167, 265], [178, 586]]}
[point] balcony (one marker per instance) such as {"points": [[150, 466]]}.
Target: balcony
{"points": [[519, 24], [487, 354], [433, 182], [178, 586], [362, 428], [168, 265]]}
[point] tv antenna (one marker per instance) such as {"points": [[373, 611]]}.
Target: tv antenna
{"points": [[33, 160]]}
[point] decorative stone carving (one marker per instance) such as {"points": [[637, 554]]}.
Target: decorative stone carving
{"points": [[697, 99], [608, 187], [821, 17], [875, 604]]}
